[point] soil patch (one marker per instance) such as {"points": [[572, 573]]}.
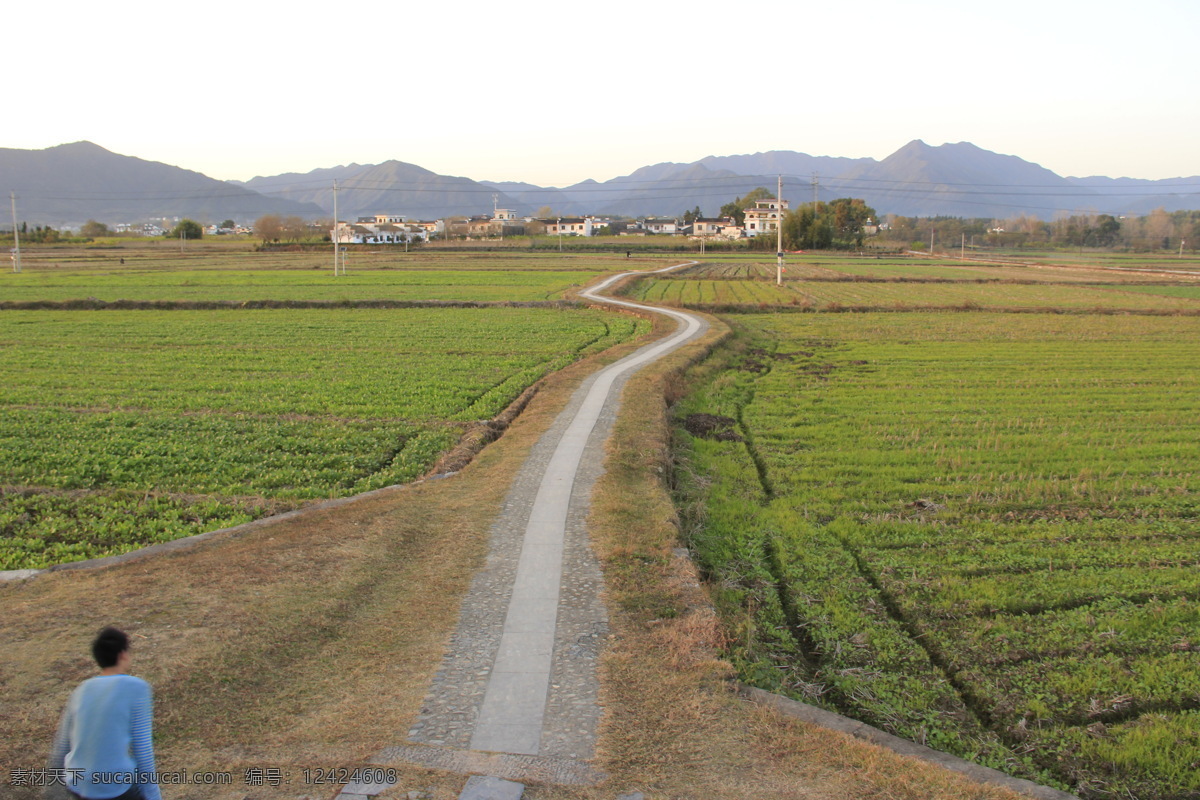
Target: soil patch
{"points": [[711, 426]]}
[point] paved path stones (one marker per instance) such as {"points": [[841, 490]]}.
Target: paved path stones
{"points": [[489, 788], [519, 677]]}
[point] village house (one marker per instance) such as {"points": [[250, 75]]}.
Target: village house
{"points": [[435, 227], [380, 229], [765, 216], [669, 227], [570, 226], [723, 227]]}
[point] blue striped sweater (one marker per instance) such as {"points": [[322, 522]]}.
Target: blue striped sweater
{"points": [[103, 739]]}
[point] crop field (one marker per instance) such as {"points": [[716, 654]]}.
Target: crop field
{"points": [[1026, 268], [124, 427], [284, 285], [223, 275], [829, 294], [733, 284], [976, 530]]}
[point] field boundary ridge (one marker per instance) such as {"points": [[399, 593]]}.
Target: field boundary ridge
{"points": [[187, 542], [813, 715]]}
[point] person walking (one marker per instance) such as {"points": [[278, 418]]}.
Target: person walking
{"points": [[103, 746]]}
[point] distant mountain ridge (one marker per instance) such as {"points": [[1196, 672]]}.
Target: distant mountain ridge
{"points": [[71, 183], [958, 179], [393, 187], [924, 181], [67, 185]]}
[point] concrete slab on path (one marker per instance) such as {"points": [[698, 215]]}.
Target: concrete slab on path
{"points": [[490, 788]]}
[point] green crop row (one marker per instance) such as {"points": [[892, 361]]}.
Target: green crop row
{"points": [[409, 364], [245, 409], [38, 529], [796, 291], [995, 511], [184, 285]]}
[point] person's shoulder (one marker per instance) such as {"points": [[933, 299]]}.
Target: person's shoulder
{"points": [[104, 685], [134, 680], [131, 684]]}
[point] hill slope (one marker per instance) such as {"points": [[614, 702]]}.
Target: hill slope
{"points": [[393, 187], [959, 180], [69, 184]]}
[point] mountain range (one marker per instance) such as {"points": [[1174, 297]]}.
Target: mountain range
{"points": [[69, 184]]}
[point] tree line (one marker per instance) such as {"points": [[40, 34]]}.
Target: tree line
{"points": [[846, 222], [840, 224], [273, 228], [1158, 230]]}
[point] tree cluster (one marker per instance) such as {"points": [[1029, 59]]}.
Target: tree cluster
{"points": [[40, 234], [837, 225], [737, 208], [187, 229], [274, 228], [1158, 230], [94, 230]]}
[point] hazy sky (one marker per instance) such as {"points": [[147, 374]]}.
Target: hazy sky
{"points": [[556, 93]]}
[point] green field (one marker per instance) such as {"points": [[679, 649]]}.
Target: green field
{"points": [[975, 530], [278, 285], [828, 295], [1020, 267], [219, 274], [123, 427], [829, 284]]}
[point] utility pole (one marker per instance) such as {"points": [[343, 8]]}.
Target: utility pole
{"points": [[334, 233], [779, 234], [339, 251], [963, 254], [931, 232], [17, 236], [815, 184]]}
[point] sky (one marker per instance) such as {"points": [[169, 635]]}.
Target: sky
{"points": [[554, 94]]}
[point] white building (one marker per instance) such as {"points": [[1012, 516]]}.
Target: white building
{"points": [[669, 227], [765, 216], [379, 232], [724, 227], [570, 226]]}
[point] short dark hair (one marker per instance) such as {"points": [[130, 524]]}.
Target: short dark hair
{"points": [[109, 645]]}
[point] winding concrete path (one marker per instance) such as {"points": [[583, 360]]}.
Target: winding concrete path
{"points": [[516, 693], [512, 714]]}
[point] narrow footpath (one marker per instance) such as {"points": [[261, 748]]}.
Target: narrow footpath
{"points": [[516, 695]]}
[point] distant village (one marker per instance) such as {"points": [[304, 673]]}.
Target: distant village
{"points": [[763, 217], [395, 229]]}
